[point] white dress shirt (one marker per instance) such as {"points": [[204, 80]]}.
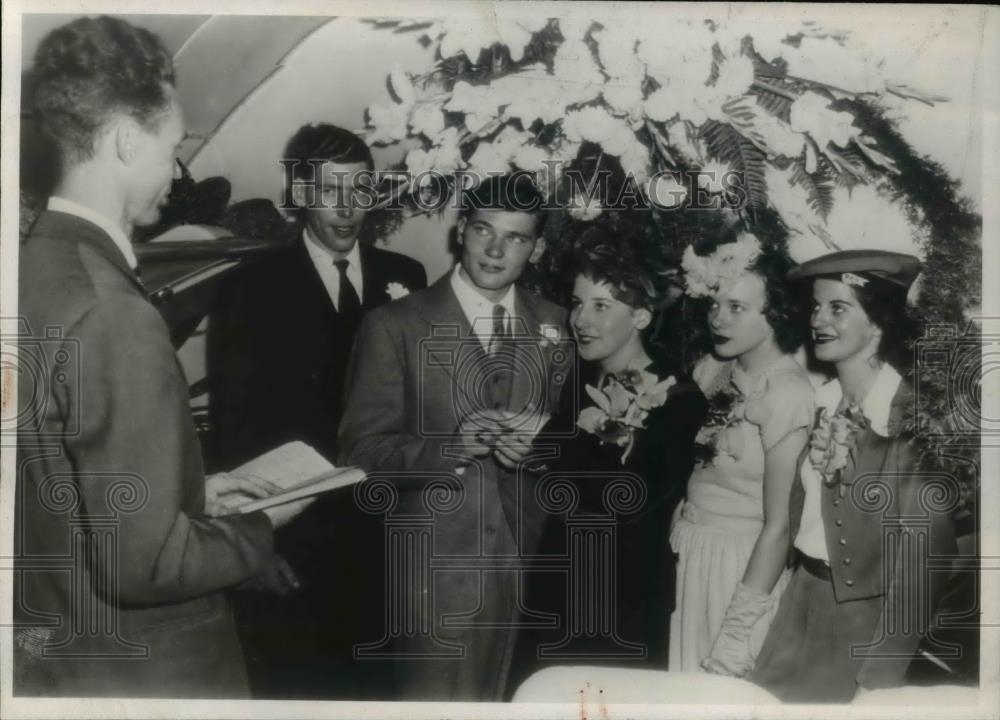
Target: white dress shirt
{"points": [[811, 538], [117, 235], [478, 310], [323, 259]]}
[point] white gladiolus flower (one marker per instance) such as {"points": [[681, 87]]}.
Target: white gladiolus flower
{"points": [[389, 123], [849, 66], [531, 158], [427, 118], [471, 34], [735, 78], [635, 161], [616, 47], [598, 125], [488, 159], [811, 114], [624, 95], [580, 78], [530, 95], [445, 157], [778, 135]]}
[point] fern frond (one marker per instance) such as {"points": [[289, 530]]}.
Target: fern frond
{"points": [[725, 144], [818, 187]]}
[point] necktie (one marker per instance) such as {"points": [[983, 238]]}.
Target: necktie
{"points": [[499, 328], [499, 375], [347, 299]]}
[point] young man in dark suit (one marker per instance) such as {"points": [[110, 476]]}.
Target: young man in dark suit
{"points": [[447, 391], [278, 344], [281, 330], [120, 569]]}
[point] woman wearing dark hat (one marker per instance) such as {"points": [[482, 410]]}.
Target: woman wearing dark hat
{"points": [[864, 521]]}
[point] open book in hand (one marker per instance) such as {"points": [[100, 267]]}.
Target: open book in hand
{"points": [[300, 470]]}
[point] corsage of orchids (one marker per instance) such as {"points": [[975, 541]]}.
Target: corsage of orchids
{"points": [[623, 404], [832, 439]]}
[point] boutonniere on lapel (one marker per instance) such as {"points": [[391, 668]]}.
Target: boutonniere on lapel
{"points": [[549, 335], [623, 404], [396, 290], [832, 440]]}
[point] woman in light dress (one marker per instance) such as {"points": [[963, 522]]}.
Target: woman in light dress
{"points": [[731, 533]]}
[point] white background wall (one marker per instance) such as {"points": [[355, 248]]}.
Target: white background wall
{"points": [[332, 76]]}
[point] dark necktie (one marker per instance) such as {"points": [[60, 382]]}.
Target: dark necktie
{"points": [[499, 329], [348, 303], [500, 369]]}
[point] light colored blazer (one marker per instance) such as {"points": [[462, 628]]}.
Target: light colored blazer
{"points": [[120, 573], [417, 368]]}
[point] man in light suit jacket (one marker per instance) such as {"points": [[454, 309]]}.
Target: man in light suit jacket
{"points": [[449, 385], [119, 570], [278, 344]]}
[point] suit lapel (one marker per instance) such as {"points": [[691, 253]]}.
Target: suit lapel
{"points": [[443, 318], [529, 379], [373, 279]]}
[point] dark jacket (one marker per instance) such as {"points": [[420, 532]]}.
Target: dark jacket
{"points": [[277, 360], [120, 571], [880, 533], [278, 350], [637, 498]]}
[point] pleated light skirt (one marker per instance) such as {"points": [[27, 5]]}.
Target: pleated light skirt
{"points": [[711, 561]]}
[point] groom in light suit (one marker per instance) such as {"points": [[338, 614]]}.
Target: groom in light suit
{"points": [[452, 384]]}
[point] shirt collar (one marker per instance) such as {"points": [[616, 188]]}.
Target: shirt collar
{"points": [[314, 245], [877, 403], [117, 235], [478, 309]]}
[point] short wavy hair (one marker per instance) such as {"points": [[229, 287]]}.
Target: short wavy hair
{"points": [[609, 255], [784, 307], [886, 307], [92, 68], [327, 143]]}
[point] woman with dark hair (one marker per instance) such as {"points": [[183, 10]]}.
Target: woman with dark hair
{"points": [[731, 534], [863, 520], [626, 465]]}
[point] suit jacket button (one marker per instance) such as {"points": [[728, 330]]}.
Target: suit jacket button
{"points": [[836, 503], [849, 583], [846, 561], [491, 530], [842, 541], [838, 523]]}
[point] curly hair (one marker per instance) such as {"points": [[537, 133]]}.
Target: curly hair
{"points": [[92, 68], [608, 255], [784, 308]]}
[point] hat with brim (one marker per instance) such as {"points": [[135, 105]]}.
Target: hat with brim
{"points": [[859, 267]]}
